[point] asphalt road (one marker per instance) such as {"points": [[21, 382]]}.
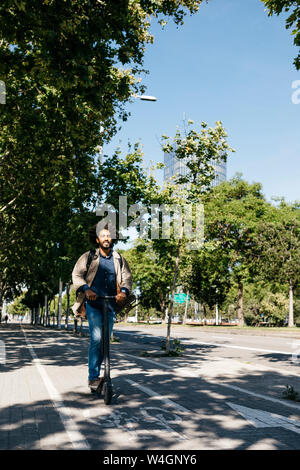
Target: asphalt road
{"points": [[225, 392]]}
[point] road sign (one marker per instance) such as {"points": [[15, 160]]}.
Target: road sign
{"points": [[180, 298]]}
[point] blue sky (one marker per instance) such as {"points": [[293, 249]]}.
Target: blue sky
{"points": [[229, 62]]}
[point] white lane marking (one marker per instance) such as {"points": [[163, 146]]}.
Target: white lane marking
{"points": [[186, 373], [258, 418], [167, 402], [231, 346], [264, 419], [157, 396], [227, 338], [131, 424], [77, 439], [147, 360], [119, 420], [159, 416], [264, 397]]}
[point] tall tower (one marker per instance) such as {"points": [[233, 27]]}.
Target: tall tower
{"points": [[174, 166]]}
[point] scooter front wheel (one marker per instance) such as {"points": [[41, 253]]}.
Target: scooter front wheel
{"points": [[107, 392]]}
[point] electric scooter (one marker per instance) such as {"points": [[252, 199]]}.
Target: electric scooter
{"points": [[105, 385]]}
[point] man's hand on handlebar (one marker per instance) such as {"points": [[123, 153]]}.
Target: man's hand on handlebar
{"points": [[121, 298], [90, 294]]}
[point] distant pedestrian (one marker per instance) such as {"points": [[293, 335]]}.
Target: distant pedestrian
{"points": [[108, 274], [6, 319]]}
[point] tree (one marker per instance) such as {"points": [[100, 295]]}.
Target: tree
{"points": [[78, 60], [278, 253], [207, 276], [199, 151], [293, 21], [152, 275], [17, 307], [68, 67], [233, 211], [41, 238], [275, 308]]}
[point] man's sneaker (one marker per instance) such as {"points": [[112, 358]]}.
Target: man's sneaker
{"points": [[94, 384]]}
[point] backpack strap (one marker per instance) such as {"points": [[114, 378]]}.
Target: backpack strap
{"points": [[121, 261], [89, 260]]}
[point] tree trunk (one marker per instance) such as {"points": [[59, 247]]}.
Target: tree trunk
{"points": [[162, 304], [42, 317], [204, 314], [217, 315], [54, 306], [46, 311], [166, 315], [195, 317], [240, 304], [186, 308], [68, 305], [173, 292], [59, 305], [291, 306]]}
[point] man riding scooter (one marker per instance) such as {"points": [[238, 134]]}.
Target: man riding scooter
{"points": [[108, 274]]}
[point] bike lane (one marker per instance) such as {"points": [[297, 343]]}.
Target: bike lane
{"points": [[158, 404]]}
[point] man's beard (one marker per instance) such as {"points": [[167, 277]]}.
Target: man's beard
{"points": [[107, 246]]}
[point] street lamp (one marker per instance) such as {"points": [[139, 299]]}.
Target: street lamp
{"points": [[145, 97]]}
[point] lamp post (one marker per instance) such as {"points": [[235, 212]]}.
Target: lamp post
{"points": [[217, 310]]}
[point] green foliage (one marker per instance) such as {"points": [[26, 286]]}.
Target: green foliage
{"points": [[278, 252], [17, 307], [275, 308], [200, 150], [293, 20], [176, 348], [207, 275], [65, 301], [152, 273], [233, 211], [68, 67]]}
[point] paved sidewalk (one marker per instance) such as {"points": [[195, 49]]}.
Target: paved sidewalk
{"points": [[198, 401], [29, 417]]}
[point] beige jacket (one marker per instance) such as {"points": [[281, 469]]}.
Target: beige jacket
{"points": [[124, 278]]}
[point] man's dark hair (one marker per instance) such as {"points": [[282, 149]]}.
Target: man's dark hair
{"points": [[93, 235]]}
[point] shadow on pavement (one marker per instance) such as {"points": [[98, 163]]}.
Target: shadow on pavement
{"points": [[202, 419]]}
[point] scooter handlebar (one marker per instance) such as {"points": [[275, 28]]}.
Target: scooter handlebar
{"points": [[106, 297]]}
